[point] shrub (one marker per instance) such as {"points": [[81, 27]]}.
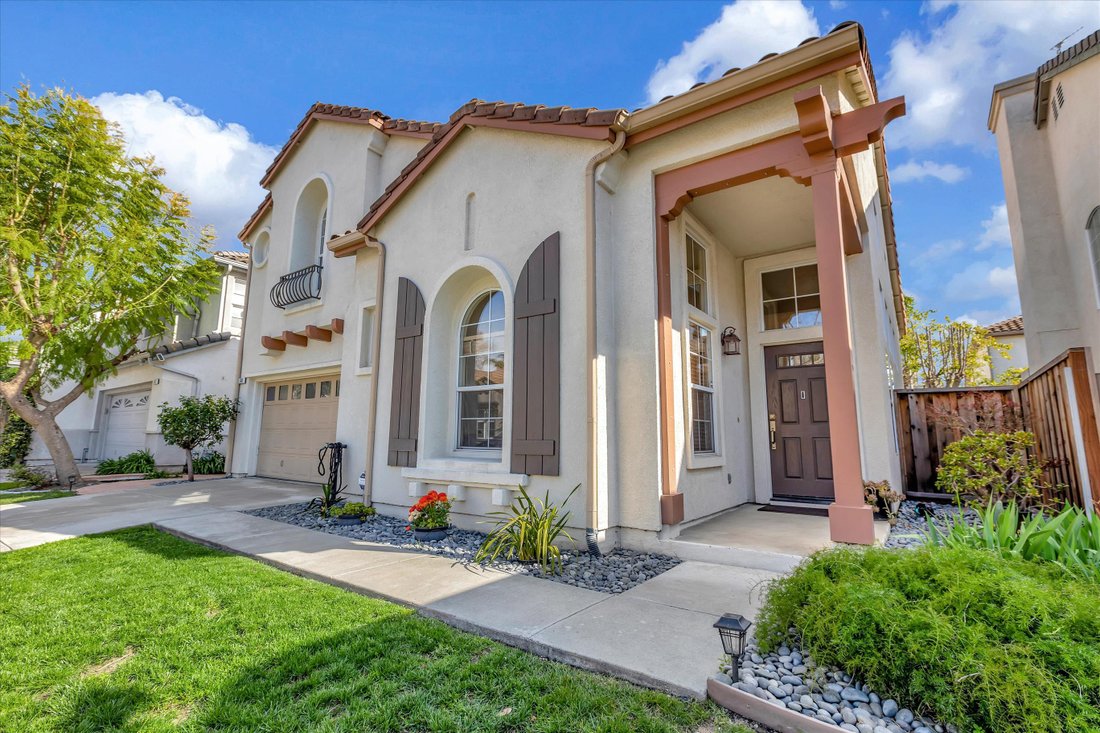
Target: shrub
{"points": [[213, 462], [15, 441], [527, 532], [196, 422], [1070, 540], [352, 509], [140, 461], [984, 642], [35, 478], [991, 466], [433, 511]]}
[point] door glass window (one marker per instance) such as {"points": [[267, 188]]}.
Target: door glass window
{"points": [[326, 388], [296, 392], [792, 298], [270, 394], [283, 390], [311, 390]]}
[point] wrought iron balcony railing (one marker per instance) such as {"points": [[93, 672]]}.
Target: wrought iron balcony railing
{"points": [[297, 287]]}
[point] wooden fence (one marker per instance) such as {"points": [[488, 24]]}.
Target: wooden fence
{"points": [[1058, 403]]}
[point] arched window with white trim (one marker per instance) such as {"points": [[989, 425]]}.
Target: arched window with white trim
{"points": [[310, 226], [481, 373]]}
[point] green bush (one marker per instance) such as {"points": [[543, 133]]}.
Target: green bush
{"points": [[140, 461], [527, 532], [971, 638], [352, 509], [15, 442], [35, 478], [1070, 540], [208, 463], [987, 466]]}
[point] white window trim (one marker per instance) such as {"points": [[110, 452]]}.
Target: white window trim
{"points": [[710, 320], [366, 371], [457, 446]]}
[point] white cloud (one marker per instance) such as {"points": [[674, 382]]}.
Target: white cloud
{"points": [[837, 4], [947, 76], [744, 32], [984, 281], [218, 165], [936, 254], [995, 229], [914, 170]]}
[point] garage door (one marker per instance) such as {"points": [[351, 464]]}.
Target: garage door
{"points": [[298, 418], [127, 416]]}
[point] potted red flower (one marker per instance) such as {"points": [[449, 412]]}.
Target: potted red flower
{"points": [[429, 518]]}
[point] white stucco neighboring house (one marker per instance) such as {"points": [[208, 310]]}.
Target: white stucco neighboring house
{"points": [[197, 356], [1047, 125], [1008, 332], [679, 309]]}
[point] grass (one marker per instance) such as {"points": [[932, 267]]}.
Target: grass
{"points": [[24, 497], [5, 485], [985, 642], [137, 630]]}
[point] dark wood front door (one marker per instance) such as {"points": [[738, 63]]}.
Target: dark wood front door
{"points": [[798, 421]]}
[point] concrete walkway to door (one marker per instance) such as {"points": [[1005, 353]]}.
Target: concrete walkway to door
{"points": [[658, 634]]}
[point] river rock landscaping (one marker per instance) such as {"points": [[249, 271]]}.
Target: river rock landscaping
{"points": [[912, 524], [613, 572], [789, 678]]}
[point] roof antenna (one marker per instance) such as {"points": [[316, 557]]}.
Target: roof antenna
{"points": [[1057, 47]]}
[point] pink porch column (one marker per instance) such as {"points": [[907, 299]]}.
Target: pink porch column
{"points": [[850, 519]]}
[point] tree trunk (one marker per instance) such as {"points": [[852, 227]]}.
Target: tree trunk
{"points": [[45, 425], [190, 464]]}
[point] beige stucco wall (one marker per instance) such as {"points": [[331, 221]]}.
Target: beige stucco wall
{"points": [[1052, 183]]}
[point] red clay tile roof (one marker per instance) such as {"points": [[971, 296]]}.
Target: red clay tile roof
{"points": [[1008, 327], [320, 111], [1086, 47], [477, 110], [253, 220], [238, 257]]}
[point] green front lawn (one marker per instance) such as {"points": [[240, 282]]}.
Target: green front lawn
{"points": [[137, 630], [22, 498], [5, 485]]}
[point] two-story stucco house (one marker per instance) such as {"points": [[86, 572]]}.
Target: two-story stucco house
{"points": [[196, 356], [681, 309], [1047, 126]]}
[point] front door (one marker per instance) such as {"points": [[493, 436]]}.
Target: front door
{"points": [[798, 421]]}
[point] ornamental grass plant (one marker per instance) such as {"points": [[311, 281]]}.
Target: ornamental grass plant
{"points": [[527, 532], [969, 637]]}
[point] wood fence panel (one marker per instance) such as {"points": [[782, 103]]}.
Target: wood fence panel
{"points": [[1057, 403]]}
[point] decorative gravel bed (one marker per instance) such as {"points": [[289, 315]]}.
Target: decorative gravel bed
{"points": [[613, 572], [912, 524], [788, 678]]}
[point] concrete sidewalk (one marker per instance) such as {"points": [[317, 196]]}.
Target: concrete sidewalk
{"points": [[658, 634]]}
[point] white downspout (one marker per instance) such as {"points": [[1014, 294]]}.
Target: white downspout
{"points": [[196, 385], [231, 441], [593, 494], [376, 346]]}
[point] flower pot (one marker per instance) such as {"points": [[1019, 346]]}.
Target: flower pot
{"points": [[348, 520], [429, 534]]}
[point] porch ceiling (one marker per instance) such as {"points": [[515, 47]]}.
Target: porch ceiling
{"points": [[770, 215]]}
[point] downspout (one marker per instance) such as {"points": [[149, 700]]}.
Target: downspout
{"points": [[593, 494], [196, 385], [376, 346], [231, 441]]}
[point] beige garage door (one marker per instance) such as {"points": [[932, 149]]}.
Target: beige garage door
{"points": [[299, 417]]}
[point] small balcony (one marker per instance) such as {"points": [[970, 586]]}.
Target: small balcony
{"points": [[297, 287]]}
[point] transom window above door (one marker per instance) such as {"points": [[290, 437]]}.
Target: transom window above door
{"points": [[697, 291], [791, 298], [481, 373]]}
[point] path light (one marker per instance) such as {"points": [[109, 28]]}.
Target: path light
{"points": [[731, 342], [72, 480], [732, 628]]}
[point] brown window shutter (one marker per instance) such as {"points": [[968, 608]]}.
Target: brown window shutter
{"points": [[536, 393], [408, 354]]}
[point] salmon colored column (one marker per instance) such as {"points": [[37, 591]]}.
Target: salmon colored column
{"points": [[850, 519]]}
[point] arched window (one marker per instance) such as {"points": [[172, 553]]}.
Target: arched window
{"points": [[310, 226], [481, 373], [1092, 229]]}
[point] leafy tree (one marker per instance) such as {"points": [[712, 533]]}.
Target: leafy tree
{"points": [[95, 253], [945, 353], [197, 422]]}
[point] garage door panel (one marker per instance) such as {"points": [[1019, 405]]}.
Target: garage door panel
{"points": [[127, 416], [297, 420]]}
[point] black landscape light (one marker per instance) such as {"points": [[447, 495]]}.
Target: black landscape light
{"points": [[732, 628]]}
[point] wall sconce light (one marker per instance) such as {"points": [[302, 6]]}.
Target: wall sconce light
{"points": [[732, 629], [731, 342]]}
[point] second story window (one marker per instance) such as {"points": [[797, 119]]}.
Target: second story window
{"points": [[322, 228], [302, 281]]}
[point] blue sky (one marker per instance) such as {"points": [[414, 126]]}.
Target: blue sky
{"points": [[213, 89]]}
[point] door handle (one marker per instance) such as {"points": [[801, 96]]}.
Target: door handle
{"points": [[771, 429]]}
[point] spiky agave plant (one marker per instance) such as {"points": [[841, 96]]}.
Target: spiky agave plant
{"points": [[527, 531]]}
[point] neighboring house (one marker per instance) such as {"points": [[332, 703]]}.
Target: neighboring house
{"points": [[196, 356], [1048, 135], [540, 296], [1010, 333]]}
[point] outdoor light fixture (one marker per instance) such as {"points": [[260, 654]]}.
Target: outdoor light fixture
{"points": [[731, 342], [732, 628], [72, 480]]}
